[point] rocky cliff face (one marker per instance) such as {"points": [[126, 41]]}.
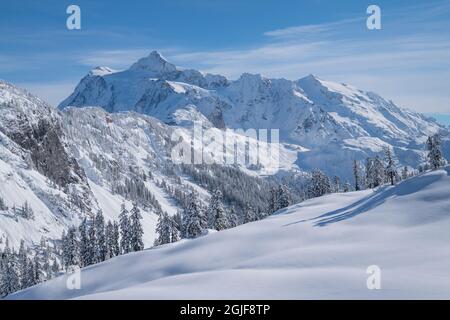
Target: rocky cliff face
{"points": [[36, 127]]}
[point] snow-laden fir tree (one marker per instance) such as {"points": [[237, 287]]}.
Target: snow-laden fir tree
{"points": [[26, 211], [115, 249], [193, 219], [3, 205], [273, 200], [175, 230], [347, 187], [22, 260], [357, 175], [319, 184], [435, 157], [378, 171], [405, 173], [284, 197], [100, 237], [391, 171], [163, 229], [215, 212], [233, 219], [136, 242], [249, 214], [336, 184], [9, 278], [125, 230], [85, 250], [70, 248], [112, 240]]}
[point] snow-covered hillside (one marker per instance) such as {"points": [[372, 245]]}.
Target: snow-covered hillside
{"points": [[66, 165], [333, 124], [320, 248]]}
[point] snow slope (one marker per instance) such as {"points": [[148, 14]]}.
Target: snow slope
{"points": [[334, 123], [320, 248], [69, 164]]}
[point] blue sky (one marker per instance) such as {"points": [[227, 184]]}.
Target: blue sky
{"points": [[408, 60]]}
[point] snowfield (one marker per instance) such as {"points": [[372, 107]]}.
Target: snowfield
{"points": [[320, 248]]}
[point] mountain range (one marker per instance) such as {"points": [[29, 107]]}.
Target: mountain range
{"points": [[110, 142]]}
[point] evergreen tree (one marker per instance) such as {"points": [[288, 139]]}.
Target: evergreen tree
{"points": [[86, 256], [100, 237], [273, 200], [405, 173], [378, 172], [175, 233], [22, 264], [391, 171], [163, 229], [109, 233], [10, 281], [347, 187], [3, 205], [125, 230], [55, 268], [284, 198], [137, 231], [319, 184], [435, 157], [193, 220], [249, 214], [336, 184], [356, 175], [115, 247], [216, 212]]}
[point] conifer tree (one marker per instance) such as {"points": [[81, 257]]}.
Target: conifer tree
{"points": [[391, 171], [137, 231], [125, 230], [435, 157], [193, 220], [100, 237]]}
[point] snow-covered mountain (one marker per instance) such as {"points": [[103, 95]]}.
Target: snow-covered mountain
{"points": [[318, 249], [332, 124], [66, 165]]}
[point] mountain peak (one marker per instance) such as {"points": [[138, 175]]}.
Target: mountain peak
{"points": [[101, 71], [154, 62]]}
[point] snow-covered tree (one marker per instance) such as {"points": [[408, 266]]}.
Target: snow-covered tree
{"points": [[357, 175], [391, 171], [125, 230], [249, 214], [85, 248], [100, 237], [435, 157], [136, 242], [215, 212], [336, 184], [193, 219], [25, 211], [70, 248], [163, 229], [284, 197], [112, 239], [347, 187], [405, 173], [9, 277], [3, 205], [319, 184]]}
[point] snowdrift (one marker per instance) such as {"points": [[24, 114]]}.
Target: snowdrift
{"points": [[319, 249]]}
